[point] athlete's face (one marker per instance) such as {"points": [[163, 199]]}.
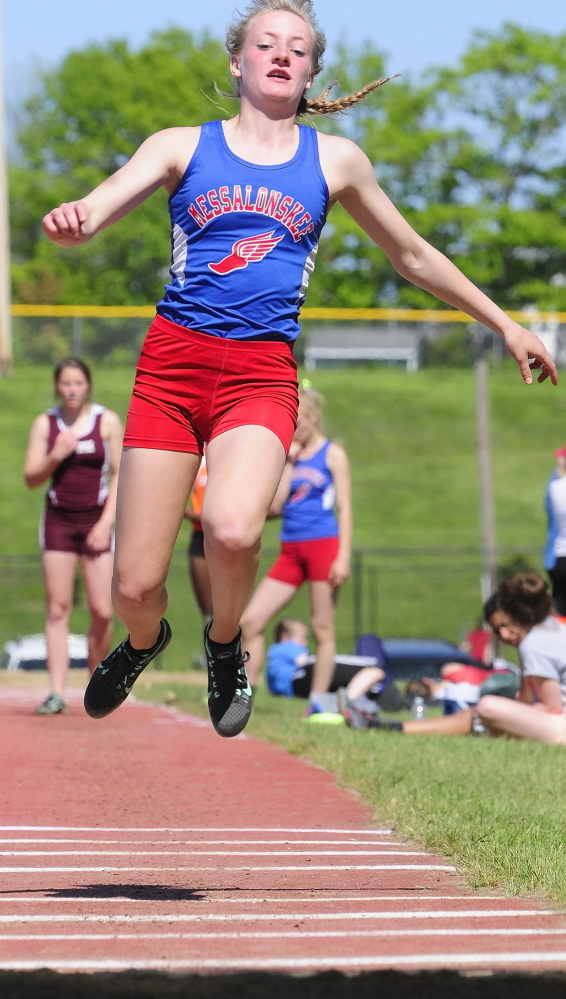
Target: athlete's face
{"points": [[275, 61], [509, 630], [72, 387]]}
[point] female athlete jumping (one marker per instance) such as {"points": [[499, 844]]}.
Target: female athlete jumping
{"points": [[248, 200]]}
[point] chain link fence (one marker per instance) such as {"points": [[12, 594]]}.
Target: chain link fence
{"points": [[113, 340], [101, 339]]}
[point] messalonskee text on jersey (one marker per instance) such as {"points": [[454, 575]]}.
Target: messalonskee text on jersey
{"points": [[286, 210]]}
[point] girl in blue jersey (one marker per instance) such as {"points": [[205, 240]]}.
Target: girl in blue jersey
{"points": [[248, 199], [316, 543]]}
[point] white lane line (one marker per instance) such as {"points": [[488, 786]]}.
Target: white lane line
{"points": [[225, 868], [198, 829], [278, 916], [290, 935], [214, 853], [262, 899], [255, 964], [211, 842]]}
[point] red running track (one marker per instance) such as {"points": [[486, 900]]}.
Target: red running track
{"points": [[146, 842]]}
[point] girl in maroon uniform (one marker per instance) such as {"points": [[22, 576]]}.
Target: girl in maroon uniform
{"points": [[75, 445]]}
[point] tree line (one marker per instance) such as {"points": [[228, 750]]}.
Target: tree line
{"points": [[474, 156]]}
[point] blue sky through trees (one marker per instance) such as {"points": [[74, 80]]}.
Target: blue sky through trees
{"points": [[414, 34]]}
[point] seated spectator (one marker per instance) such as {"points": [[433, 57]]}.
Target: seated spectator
{"points": [[286, 662], [520, 613], [525, 620], [288, 653]]}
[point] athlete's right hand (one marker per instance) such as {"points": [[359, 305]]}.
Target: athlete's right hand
{"points": [[64, 225], [65, 444]]}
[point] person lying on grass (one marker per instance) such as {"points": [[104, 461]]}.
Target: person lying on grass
{"points": [[521, 614], [461, 685]]}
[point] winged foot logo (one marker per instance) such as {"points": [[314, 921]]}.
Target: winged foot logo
{"points": [[249, 250]]}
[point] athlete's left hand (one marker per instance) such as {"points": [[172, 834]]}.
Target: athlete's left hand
{"points": [[524, 345], [98, 538], [339, 571]]}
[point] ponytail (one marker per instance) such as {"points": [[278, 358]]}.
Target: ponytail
{"points": [[322, 106]]}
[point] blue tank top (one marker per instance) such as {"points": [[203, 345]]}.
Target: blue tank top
{"points": [[308, 513], [244, 239]]}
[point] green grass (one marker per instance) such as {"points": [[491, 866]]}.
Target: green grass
{"points": [[495, 807]]}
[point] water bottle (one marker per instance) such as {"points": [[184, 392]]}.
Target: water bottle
{"points": [[418, 709], [478, 728]]}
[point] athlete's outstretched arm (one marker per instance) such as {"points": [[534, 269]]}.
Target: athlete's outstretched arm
{"points": [[160, 161], [352, 182]]}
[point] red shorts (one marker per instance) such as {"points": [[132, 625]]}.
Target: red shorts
{"points": [[67, 530], [190, 387], [302, 560]]}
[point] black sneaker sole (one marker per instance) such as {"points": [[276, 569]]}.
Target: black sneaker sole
{"points": [[101, 695], [236, 715], [234, 720]]}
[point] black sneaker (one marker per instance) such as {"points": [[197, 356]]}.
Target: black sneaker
{"points": [[114, 678], [229, 693]]}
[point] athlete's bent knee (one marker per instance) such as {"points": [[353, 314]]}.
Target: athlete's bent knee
{"points": [[134, 595], [232, 537]]}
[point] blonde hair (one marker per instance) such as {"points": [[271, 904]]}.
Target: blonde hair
{"points": [[314, 402], [236, 37]]}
